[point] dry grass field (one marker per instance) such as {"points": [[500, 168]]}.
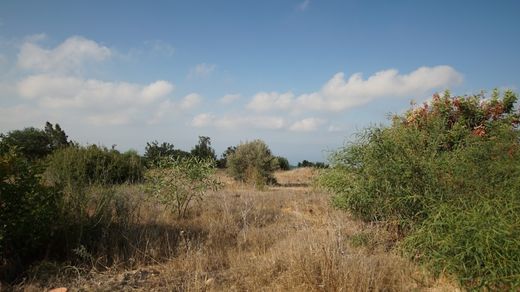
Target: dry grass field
{"points": [[284, 238]]}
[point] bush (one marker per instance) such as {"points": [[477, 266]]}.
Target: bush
{"points": [[178, 182], [283, 163], [431, 173], [80, 166], [28, 211], [252, 162]]}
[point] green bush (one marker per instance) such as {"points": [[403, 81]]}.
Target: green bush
{"points": [[283, 163], [81, 166], [431, 173], [252, 162], [34, 143], [178, 182], [28, 210]]}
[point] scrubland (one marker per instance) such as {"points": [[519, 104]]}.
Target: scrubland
{"points": [[284, 238]]}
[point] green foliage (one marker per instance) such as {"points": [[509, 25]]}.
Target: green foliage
{"points": [[28, 209], [154, 152], [203, 149], [252, 162], [306, 163], [283, 163], [222, 162], [436, 174], [178, 182], [34, 143], [82, 166]]}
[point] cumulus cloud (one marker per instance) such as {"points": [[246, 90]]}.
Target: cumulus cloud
{"points": [[340, 93], [307, 125], [201, 70], [264, 101], [66, 57], [190, 101], [73, 92], [229, 98], [234, 122], [112, 118], [202, 120]]}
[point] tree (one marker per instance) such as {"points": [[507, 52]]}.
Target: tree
{"points": [[283, 163], [221, 163], [203, 149], [252, 162], [155, 151], [57, 137], [34, 143]]}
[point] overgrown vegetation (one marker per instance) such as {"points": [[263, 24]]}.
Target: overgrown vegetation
{"points": [[28, 212], [444, 176]]}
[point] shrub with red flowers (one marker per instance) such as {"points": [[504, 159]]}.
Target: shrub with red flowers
{"points": [[461, 115], [445, 176]]}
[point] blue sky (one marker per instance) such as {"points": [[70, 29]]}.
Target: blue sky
{"points": [[301, 75]]}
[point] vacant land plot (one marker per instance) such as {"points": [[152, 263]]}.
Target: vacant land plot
{"points": [[286, 238]]}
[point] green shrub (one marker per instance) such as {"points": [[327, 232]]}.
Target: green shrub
{"points": [[178, 182], [28, 210], [431, 173], [252, 162], [283, 163], [81, 166]]}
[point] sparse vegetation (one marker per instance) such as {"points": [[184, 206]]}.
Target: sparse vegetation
{"points": [[178, 182]]}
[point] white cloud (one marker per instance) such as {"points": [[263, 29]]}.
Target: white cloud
{"points": [[190, 101], [304, 5], [229, 98], [73, 92], [334, 128], [66, 57], [340, 94], [112, 119], [235, 122], [201, 70], [264, 101], [307, 125], [202, 120], [157, 89], [19, 116]]}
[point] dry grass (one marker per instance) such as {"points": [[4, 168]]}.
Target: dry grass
{"points": [[241, 239]]}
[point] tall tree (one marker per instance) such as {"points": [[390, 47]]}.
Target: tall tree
{"points": [[34, 143], [203, 149]]}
